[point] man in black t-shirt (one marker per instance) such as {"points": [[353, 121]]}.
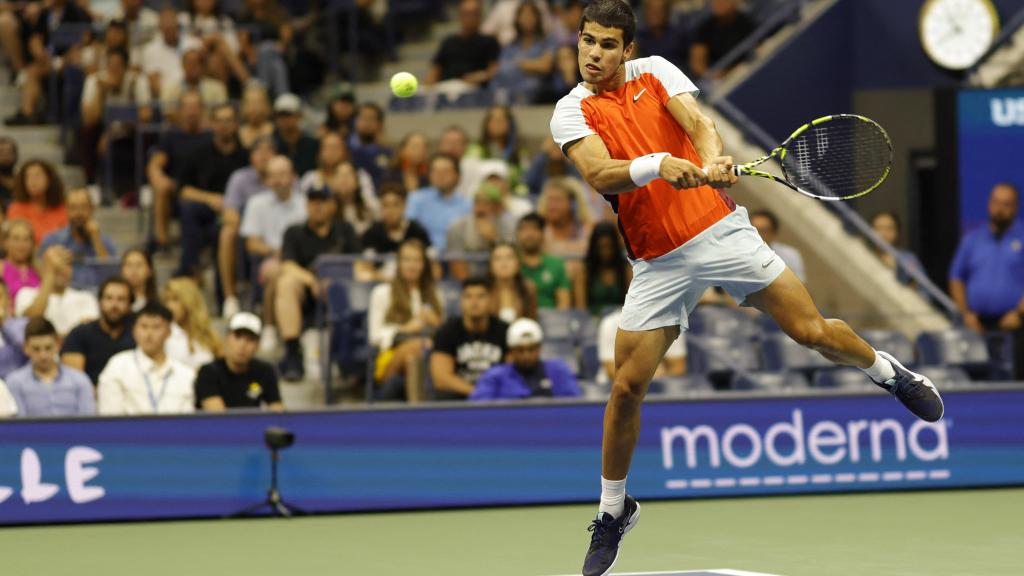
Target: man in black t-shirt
{"points": [[203, 181], [718, 35], [385, 235], [469, 55], [238, 380], [468, 346], [297, 284], [89, 346]]}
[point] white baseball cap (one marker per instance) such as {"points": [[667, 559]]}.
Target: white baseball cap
{"points": [[524, 332], [245, 321], [287, 104]]}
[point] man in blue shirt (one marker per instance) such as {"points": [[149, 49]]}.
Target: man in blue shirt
{"points": [[438, 206], [44, 387], [525, 375], [82, 236], [986, 279]]}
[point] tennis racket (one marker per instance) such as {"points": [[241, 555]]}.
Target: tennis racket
{"points": [[836, 157]]}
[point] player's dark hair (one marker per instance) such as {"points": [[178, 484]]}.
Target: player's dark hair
{"points": [[769, 215], [531, 218], [611, 14], [156, 310], [119, 281], [39, 326], [476, 281]]}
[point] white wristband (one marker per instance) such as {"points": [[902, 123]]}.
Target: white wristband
{"points": [[644, 169]]}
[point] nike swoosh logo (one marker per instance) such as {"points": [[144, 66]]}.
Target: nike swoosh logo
{"points": [[768, 263], [641, 93]]}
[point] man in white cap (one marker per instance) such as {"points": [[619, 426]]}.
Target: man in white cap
{"points": [[238, 380], [289, 139], [525, 375]]}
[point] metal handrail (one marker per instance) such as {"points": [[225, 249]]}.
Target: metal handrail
{"points": [[760, 137], [1005, 34]]}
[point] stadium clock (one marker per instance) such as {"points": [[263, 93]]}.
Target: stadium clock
{"points": [[956, 33]]}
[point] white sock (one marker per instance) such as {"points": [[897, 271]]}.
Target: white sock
{"points": [[881, 370], [613, 497]]}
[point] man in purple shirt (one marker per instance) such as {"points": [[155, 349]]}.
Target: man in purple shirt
{"points": [[525, 375]]}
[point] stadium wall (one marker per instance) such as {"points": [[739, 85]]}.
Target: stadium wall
{"points": [[504, 454]]}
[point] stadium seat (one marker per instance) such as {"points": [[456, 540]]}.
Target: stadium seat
{"points": [[780, 353], [410, 104], [893, 342], [90, 274], [563, 324], [954, 347], [945, 376], [674, 386], [451, 294], [590, 363], [721, 321], [561, 349], [844, 377], [768, 381], [707, 354]]}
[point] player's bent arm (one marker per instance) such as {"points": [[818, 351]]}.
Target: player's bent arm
{"points": [[598, 168], [74, 360], [698, 125]]}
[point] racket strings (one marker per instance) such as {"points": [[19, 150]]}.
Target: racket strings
{"points": [[839, 158]]}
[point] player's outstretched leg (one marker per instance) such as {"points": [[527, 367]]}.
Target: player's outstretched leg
{"points": [[637, 355], [788, 302]]}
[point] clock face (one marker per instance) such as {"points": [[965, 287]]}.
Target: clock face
{"points": [[956, 33]]}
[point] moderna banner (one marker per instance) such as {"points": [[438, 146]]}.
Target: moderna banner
{"points": [[386, 459]]}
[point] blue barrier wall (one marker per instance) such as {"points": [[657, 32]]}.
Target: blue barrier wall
{"points": [[990, 134], [106, 469]]}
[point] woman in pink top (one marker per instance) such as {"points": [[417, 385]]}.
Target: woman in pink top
{"points": [[19, 244], [39, 198]]}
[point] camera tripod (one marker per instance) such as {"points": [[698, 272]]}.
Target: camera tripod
{"points": [[274, 502]]}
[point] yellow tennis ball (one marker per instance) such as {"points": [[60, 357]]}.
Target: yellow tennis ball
{"points": [[404, 84]]}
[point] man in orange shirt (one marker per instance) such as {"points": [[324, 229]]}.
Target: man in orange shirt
{"points": [[637, 135]]}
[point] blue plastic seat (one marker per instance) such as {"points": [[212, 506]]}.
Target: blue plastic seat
{"points": [[679, 385], [953, 347], [781, 353], [721, 321], [893, 342], [768, 381], [707, 354], [944, 376], [841, 377]]}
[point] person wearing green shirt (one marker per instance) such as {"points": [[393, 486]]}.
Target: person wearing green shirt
{"points": [[554, 290]]}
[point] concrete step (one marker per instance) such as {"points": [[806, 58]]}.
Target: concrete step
{"points": [[51, 153], [418, 51], [72, 175], [29, 135]]}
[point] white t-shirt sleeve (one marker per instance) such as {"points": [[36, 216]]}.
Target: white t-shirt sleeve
{"points": [[250, 227], [24, 299], [670, 76], [568, 123]]}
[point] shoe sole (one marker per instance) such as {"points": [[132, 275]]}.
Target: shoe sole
{"points": [[630, 524], [925, 379]]}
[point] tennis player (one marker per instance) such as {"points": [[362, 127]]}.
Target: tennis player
{"points": [[634, 130]]}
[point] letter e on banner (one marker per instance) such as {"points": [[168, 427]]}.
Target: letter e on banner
{"points": [[77, 473]]}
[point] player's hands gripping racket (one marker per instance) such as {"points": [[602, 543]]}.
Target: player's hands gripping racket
{"points": [[835, 157]]}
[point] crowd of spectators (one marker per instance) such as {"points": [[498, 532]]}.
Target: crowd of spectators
{"points": [[515, 229]]}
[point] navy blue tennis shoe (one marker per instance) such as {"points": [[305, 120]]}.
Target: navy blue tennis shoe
{"points": [[606, 535], [913, 390]]}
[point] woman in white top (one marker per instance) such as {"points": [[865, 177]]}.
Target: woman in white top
{"points": [[333, 151], [191, 342], [512, 295], [401, 317]]}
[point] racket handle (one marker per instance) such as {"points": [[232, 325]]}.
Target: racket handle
{"points": [[735, 170]]}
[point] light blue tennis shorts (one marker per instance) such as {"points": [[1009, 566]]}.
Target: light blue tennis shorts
{"points": [[729, 254]]}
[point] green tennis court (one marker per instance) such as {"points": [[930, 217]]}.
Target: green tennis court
{"points": [[905, 534]]}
